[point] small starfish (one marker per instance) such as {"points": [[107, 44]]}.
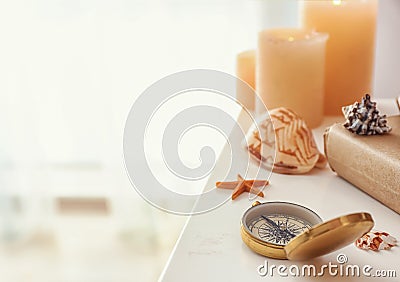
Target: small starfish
{"points": [[243, 185]]}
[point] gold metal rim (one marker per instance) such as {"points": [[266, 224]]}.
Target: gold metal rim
{"points": [[329, 236], [262, 247]]}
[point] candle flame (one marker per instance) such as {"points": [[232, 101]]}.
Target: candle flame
{"points": [[291, 38], [337, 2]]}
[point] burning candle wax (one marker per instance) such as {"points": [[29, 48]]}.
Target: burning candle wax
{"points": [[245, 70], [290, 71], [351, 25]]}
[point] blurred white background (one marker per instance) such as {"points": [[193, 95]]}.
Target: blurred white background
{"points": [[69, 72]]}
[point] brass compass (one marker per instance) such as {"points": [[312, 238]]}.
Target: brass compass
{"points": [[285, 230]]}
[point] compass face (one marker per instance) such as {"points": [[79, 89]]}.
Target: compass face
{"points": [[277, 229]]}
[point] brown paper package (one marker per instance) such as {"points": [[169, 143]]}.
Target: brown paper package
{"points": [[371, 163]]}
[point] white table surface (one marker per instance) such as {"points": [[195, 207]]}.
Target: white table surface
{"points": [[210, 247]]}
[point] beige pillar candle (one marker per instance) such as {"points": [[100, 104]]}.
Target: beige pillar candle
{"points": [[245, 70], [351, 25], [290, 71]]}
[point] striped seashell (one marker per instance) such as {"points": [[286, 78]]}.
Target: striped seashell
{"points": [[296, 150]]}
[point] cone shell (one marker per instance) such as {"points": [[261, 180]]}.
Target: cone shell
{"points": [[296, 150]]}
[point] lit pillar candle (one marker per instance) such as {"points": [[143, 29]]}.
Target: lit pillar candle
{"points": [[245, 70], [290, 71], [351, 25]]}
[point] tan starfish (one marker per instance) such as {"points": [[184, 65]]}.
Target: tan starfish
{"points": [[241, 185]]}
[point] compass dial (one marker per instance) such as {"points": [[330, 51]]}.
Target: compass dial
{"points": [[270, 227], [277, 229]]}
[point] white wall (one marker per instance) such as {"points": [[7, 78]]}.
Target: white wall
{"points": [[387, 64]]}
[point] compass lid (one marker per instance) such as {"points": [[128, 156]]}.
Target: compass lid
{"points": [[329, 236]]}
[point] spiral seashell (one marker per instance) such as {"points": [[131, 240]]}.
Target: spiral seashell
{"points": [[296, 150]]}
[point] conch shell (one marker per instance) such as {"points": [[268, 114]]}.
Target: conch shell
{"points": [[296, 150]]}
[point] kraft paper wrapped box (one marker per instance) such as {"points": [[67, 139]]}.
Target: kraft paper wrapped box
{"points": [[371, 163]]}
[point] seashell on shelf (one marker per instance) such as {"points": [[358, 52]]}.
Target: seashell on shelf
{"points": [[363, 118], [376, 241], [296, 150]]}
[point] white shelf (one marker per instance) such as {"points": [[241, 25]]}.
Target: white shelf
{"points": [[210, 247]]}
